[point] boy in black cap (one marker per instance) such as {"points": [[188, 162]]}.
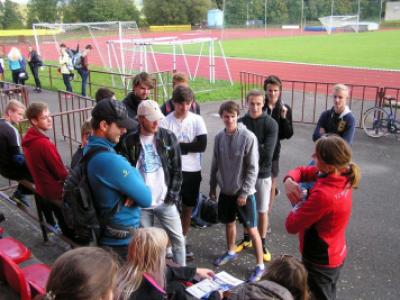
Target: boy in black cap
{"points": [[114, 182]]}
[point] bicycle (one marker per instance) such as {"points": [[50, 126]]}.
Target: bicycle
{"points": [[379, 121]]}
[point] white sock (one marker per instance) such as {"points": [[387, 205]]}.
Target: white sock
{"points": [[261, 266], [230, 252]]}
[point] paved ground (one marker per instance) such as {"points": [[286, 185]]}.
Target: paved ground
{"points": [[373, 232]]}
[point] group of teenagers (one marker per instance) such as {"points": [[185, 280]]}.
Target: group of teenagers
{"points": [[69, 61], [150, 167], [17, 64], [74, 60]]}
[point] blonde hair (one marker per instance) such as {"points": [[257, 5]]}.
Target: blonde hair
{"points": [[341, 87], [333, 150], [13, 105], [146, 254], [14, 54]]}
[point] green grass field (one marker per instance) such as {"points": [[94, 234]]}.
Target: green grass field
{"points": [[367, 49], [204, 91]]}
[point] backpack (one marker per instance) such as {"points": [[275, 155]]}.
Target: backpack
{"points": [[208, 211], [77, 60], [197, 221], [78, 206]]}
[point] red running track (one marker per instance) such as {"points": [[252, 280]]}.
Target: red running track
{"points": [[286, 71]]}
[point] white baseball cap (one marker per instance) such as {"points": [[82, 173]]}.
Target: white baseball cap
{"points": [[150, 110]]}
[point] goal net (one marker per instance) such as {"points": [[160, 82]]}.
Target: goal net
{"points": [[346, 23]]}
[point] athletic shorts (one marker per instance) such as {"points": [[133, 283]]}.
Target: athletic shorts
{"points": [[275, 168], [190, 188], [263, 194], [228, 210]]}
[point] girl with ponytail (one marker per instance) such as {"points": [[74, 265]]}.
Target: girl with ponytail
{"points": [[321, 219]]}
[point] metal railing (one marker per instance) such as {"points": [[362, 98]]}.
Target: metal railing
{"points": [[309, 98], [65, 134], [10, 91], [52, 79]]}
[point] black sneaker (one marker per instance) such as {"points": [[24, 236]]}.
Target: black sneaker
{"points": [[20, 199]]}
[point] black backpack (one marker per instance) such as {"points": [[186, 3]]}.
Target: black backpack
{"points": [[209, 210], [78, 207]]}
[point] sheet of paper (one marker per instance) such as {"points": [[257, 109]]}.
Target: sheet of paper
{"points": [[221, 282]]}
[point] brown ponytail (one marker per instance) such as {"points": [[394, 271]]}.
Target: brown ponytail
{"points": [[333, 150], [354, 175]]}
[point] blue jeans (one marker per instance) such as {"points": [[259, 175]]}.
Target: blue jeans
{"points": [[170, 220], [67, 82], [84, 75]]}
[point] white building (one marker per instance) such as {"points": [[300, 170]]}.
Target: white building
{"points": [[392, 11]]}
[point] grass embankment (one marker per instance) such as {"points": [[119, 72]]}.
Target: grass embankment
{"points": [[221, 90]]}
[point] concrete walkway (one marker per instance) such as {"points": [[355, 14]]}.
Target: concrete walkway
{"points": [[373, 233]]}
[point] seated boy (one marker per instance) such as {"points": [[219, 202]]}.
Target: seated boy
{"points": [[234, 169], [86, 131], [12, 160]]}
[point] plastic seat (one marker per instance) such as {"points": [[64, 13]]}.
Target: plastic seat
{"points": [[14, 249], [28, 281], [15, 278], [37, 276]]}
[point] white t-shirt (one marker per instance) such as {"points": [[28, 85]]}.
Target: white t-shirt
{"points": [[149, 165], [186, 131]]}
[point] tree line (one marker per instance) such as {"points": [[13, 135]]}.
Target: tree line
{"points": [[161, 12], [289, 11]]}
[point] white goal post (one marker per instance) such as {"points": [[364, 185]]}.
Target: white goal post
{"points": [[95, 33]]}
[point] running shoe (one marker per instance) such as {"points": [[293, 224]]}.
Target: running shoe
{"points": [[266, 254], [256, 274], [225, 258], [20, 199], [243, 245], [189, 253]]}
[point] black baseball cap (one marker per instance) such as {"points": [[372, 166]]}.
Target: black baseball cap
{"points": [[110, 111]]}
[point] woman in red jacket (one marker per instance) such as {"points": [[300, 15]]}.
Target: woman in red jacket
{"points": [[321, 219]]}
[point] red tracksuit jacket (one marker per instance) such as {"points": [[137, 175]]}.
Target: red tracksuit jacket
{"points": [[321, 220], [45, 164]]}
